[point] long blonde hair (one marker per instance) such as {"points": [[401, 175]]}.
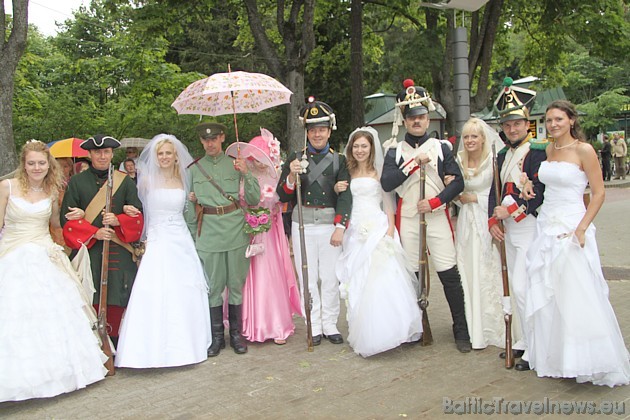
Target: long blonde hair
{"points": [[175, 168], [53, 182], [474, 126]]}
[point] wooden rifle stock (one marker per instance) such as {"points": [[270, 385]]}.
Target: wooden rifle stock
{"points": [[509, 356], [423, 270], [305, 289], [102, 303]]}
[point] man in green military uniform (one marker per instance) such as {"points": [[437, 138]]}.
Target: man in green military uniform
{"points": [[325, 215], [85, 198], [217, 227]]}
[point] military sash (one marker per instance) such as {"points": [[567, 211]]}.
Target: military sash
{"points": [[408, 190], [512, 169]]}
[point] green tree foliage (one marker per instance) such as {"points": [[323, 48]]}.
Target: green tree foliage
{"points": [[118, 64]]}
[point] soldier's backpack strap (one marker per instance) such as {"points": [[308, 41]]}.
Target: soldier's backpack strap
{"points": [[335, 164]]}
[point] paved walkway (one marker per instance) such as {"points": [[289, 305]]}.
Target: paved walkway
{"points": [[332, 382]]}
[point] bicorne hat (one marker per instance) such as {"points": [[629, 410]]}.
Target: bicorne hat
{"points": [[513, 102], [100, 141]]}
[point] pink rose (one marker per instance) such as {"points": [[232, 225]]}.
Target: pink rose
{"points": [[252, 221], [263, 219]]}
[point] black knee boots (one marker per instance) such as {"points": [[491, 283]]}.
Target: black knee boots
{"points": [[237, 341], [455, 296], [218, 339]]}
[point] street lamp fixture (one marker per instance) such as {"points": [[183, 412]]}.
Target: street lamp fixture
{"points": [[467, 5]]}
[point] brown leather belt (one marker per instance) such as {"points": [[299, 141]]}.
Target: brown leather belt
{"points": [[220, 210]]}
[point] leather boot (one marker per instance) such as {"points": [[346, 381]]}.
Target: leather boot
{"points": [[218, 339], [237, 342], [455, 297]]}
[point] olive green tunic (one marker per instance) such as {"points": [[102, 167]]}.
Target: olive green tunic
{"points": [[222, 242]]}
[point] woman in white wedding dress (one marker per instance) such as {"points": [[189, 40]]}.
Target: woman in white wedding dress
{"points": [[477, 257], [571, 327], [47, 346], [376, 281], [167, 322]]}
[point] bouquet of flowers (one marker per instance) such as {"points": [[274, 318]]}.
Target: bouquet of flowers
{"points": [[257, 220]]}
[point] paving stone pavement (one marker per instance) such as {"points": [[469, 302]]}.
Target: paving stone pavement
{"points": [[286, 382]]}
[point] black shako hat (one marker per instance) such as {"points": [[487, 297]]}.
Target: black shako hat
{"points": [[414, 100], [513, 102], [100, 141], [317, 114]]}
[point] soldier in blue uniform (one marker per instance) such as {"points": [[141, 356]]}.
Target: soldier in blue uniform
{"points": [[400, 174]]}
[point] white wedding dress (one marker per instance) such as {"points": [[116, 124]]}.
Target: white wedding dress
{"points": [[167, 322], [571, 327], [480, 264], [47, 346], [377, 283]]}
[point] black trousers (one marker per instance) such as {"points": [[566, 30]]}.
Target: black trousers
{"points": [[606, 171]]}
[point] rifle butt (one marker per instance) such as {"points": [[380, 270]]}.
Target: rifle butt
{"points": [[427, 335], [107, 350]]}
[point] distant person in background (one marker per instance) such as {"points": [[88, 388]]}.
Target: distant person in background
{"points": [[81, 165], [130, 168], [130, 153], [619, 152], [606, 154], [67, 170]]}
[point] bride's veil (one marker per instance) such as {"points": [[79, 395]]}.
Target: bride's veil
{"points": [[149, 177]]}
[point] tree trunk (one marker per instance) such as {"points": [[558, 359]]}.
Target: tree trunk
{"points": [[11, 49], [298, 41], [356, 63], [295, 129]]}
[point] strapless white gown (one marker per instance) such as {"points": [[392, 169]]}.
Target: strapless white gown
{"points": [[571, 327], [167, 322], [376, 280]]}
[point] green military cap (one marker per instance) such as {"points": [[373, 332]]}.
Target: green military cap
{"points": [[209, 130]]}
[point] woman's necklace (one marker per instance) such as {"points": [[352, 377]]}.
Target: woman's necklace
{"points": [[555, 145], [36, 189]]}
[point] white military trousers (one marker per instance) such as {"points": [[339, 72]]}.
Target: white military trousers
{"points": [[322, 279]]}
